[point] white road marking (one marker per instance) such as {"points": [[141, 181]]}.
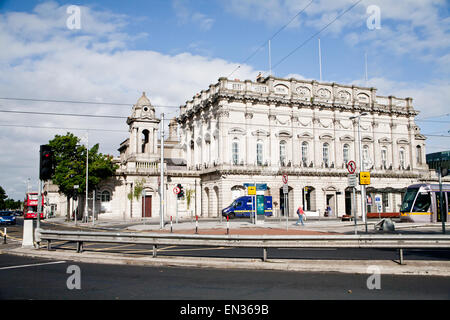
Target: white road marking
{"points": [[32, 265]]}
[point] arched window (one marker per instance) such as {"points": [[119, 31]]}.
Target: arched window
{"points": [[105, 196], [259, 153], [282, 153], [325, 154], [145, 136], [401, 156], [384, 157], [346, 153], [304, 152], [235, 151], [365, 152], [419, 154]]}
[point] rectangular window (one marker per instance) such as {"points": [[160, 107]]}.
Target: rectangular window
{"points": [[259, 154], [235, 153], [384, 158], [325, 154], [304, 152], [282, 153]]}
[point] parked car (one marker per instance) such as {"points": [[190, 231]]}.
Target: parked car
{"points": [[7, 217]]}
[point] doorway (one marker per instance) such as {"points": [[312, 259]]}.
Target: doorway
{"points": [[146, 206], [331, 202]]}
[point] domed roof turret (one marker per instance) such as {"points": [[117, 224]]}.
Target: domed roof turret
{"points": [[142, 110], [143, 101]]}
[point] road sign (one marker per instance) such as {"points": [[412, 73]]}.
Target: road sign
{"points": [[176, 190], [352, 180], [251, 190], [285, 189], [351, 167], [285, 178], [364, 177]]}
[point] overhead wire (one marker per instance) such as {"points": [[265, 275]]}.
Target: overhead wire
{"points": [[271, 38], [315, 34]]}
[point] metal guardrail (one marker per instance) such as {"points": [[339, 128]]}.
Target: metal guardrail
{"points": [[250, 241]]}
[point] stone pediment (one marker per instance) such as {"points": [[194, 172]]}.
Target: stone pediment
{"points": [[347, 138], [326, 136], [305, 135], [260, 133], [284, 134], [237, 130]]}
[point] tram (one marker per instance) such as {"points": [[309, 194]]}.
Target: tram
{"points": [[421, 203]]}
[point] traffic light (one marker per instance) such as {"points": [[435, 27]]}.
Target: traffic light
{"points": [[45, 162], [181, 193]]}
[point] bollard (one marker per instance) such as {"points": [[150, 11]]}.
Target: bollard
{"points": [[4, 236], [264, 259], [228, 225], [196, 224], [171, 230]]}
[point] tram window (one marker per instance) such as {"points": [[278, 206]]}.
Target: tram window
{"points": [[448, 201], [408, 199], [422, 203]]}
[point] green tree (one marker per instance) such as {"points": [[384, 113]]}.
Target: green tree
{"points": [[3, 197], [70, 165], [8, 203]]}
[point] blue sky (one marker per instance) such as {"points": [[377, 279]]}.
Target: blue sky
{"points": [[173, 49]]}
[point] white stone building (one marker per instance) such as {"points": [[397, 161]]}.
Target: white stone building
{"points": [[238, 132]]}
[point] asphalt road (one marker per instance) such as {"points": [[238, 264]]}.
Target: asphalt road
{"points": [[27, 278]]}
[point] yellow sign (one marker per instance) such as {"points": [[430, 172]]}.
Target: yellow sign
{"points": [[364, 178], [251, 191]]}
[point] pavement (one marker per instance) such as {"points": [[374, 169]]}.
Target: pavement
{"points": [[241, 226]]}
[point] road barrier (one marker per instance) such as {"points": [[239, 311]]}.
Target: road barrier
{"points": [[397, 241]]}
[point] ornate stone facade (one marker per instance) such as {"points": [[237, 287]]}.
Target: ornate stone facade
{"points": [[243, 132], [238, 132]]}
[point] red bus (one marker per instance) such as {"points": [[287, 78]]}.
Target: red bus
{"points": [[30, 206]]}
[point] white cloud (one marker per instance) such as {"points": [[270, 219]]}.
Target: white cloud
{"points": [[430, 99], [84, 65], [186, 15], [405, 25]]}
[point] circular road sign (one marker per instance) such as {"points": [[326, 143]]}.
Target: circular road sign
{"points": [[351, 167], [285, 178], [176, 190]]}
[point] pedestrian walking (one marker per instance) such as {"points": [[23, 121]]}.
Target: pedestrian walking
{"points": [[300, 214]]}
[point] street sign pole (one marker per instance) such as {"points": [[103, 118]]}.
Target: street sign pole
{"points": [[354, 209], [256, 213]]}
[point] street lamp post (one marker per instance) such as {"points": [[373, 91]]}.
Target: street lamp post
{"points": [[86, 213], [161, 185], [361, 168]]}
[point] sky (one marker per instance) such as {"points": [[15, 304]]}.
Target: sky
{"points": [[110, 52]]}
